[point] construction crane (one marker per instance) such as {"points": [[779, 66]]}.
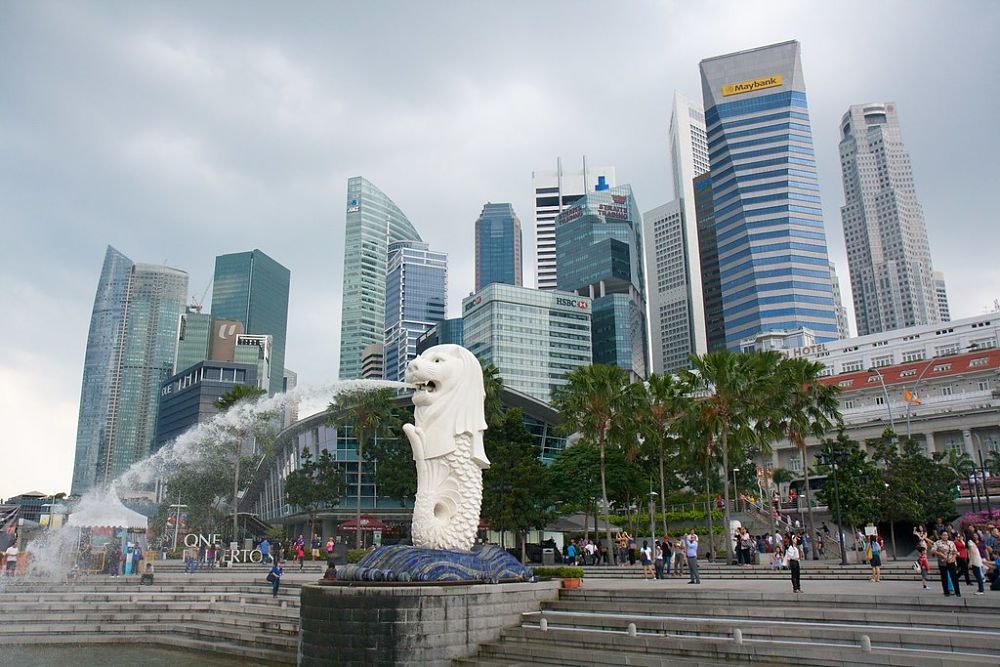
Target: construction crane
{"points": [[197, 304]]}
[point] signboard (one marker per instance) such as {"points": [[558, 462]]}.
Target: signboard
{"points": [[572, 303], [224, 340], [752, 85], [613, 211], [377, 538]]}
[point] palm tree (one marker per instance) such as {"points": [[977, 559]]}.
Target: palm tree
{"points": [[808, 407], [241, 393], [369, 412], [735, 411], [664, 399], [493, 385], [597, 403]]}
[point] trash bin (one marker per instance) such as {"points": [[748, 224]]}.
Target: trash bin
{"points": [[548, 556]]}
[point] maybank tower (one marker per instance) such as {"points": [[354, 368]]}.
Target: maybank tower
{"points": [[773, 265]]}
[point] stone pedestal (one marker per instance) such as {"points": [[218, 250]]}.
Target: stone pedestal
{"points": [[366, 625]]}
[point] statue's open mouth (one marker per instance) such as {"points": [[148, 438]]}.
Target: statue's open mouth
{"points": [[427, 386]]}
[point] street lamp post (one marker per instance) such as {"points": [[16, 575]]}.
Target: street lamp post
{"points": [[885, 393], [652, 510], [177, 518], [834, 458], [736, 490], [982, 472]]}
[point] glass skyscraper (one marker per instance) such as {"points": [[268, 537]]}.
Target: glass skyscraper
{"points": [[130, 351], [599, 254], [373, 221], [252, 288], [498, 246], [533, 337], [194, 337], [416, 293], [774, 270]]}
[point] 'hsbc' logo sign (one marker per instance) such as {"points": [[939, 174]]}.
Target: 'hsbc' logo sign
{"points": [[572, 303]]}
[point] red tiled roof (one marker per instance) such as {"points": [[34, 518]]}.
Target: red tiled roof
{"points": [[957, 364]]}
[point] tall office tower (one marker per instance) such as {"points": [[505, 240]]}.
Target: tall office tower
{"points": [[887, 250], [373, 362], [773, 264], [498, 246], [843, 330], [711, 285], [533, 337], [373, 222], [130, 351], [194, 338], [416, 293], [554, 191], [942, 296], [446, 332], [252, 288], [599, 250], [673, 255]]}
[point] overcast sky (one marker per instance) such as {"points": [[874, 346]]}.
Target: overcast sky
{"points": [[179, 131]]}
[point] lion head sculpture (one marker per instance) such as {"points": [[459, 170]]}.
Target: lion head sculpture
{"points": [[449, 400]]}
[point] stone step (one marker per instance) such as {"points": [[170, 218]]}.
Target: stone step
{"points": [[833, 614], [605, 648], [164, 637], [289, 626], [202, 629], [273, 612], [963, 640], [764, 600]]}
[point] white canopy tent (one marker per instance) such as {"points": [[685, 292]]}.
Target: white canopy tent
{"points": [[106, 511]]}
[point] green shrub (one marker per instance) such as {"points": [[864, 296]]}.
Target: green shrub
{"points": [[354, 555], [561, 572]]}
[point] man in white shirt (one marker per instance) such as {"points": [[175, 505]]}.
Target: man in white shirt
{"points": [[691, 549]]}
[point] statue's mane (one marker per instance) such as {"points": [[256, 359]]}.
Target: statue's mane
{"points": [[458, 408]]}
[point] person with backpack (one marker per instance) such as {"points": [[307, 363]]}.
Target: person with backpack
{"points": [[874, 555]]}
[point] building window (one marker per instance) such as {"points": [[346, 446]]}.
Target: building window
{"points": [[946, 390], [879, 400], [849, 405], [881, 362], [981, 361], [984, 385], [853, 366], [913, 355], [795, 463], [942, 367]]}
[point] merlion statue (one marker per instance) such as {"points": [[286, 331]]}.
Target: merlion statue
{"points": [[447, 443]]}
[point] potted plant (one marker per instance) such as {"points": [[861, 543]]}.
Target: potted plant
{"points": [[571, 576]]}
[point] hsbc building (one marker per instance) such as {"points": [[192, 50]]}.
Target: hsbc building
{"points": [[533, 337]]}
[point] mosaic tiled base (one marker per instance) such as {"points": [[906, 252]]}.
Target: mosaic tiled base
{"points": [[403, 563]]}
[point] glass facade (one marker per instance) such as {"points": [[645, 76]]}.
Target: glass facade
{"points": [[445, 332], [599, 254], [130, 351], [416, 293], [188, 398], [498, 246], [252, 288], [373, 221], [771, 243], [533, 337], [708, 247], [194, 336]]}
